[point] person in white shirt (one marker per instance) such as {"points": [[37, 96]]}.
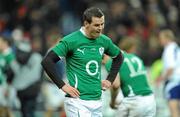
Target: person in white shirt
{"points": [[171, 70], [27, 77]]}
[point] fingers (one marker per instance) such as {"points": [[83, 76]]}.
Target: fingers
{"points": [[73, 92], [106, 84], [104, 88]]}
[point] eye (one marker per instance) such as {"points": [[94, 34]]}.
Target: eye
{"points": [[96, 25], [102, 24]]}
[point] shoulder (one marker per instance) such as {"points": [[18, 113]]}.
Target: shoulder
{"points": [[36, 56], [104, 37], [131, 55], [105, 40], [72, 37], [171, 46], [169, 49], [69, 42]]}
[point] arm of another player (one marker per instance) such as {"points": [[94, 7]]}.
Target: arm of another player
{"points": [[114, 92], [48, 64]]}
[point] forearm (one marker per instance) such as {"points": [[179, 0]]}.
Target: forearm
{"points": [[116, 63], [168, 73], [48, 64], [114, 93]]}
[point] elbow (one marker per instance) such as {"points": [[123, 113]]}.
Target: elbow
{"points": [[115, 86], [44, 62]]}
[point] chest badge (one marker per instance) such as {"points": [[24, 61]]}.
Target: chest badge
{"points": [[101, 51]]}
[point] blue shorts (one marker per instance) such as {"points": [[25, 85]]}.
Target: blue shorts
{"points": [[173, 93]]}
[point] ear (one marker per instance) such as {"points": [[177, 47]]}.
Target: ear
{"points": [[86, 23]]}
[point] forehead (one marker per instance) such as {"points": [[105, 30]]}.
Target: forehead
{"points": [[97, 20]]}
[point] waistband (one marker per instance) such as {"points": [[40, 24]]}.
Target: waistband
{"points": [[142, 94]]}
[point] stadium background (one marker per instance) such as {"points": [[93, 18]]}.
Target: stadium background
{"points": [[42, 22]]}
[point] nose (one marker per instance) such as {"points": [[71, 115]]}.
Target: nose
{"points": [[100, 27]]}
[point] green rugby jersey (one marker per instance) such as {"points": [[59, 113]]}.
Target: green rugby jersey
{"points": [[5, 59], [83, 61], [133, 76]]}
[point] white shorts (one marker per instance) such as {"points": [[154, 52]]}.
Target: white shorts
{"points": [[3, 101], [137, 106], [76, 107], [7, 96]]}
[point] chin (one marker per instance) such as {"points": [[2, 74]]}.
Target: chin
{"points": [[98, 35]]}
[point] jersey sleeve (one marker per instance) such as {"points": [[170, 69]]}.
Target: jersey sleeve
{"points": [[169, 57], [111, 49], [62, 48]]}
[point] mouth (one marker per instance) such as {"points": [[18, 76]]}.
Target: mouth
{"points": [[98, 32]]}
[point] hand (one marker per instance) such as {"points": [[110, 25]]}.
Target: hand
{"points": [[159, 80], [106, 84], [73, 92]]}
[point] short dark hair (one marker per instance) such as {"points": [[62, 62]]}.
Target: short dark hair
{"points": [[92, 12]]}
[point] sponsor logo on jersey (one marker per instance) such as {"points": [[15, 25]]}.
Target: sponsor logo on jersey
{"points": [[81, 50]]}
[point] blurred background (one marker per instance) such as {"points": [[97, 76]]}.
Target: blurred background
{"points": [[41, 23]]}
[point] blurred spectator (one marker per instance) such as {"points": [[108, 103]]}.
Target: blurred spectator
{"points": [[6, 75], [54, 99], [171, 70], [139, 18], [27, 80]]}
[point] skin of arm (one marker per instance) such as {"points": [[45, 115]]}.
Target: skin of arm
{"points": [[167, 74], [114, 92]]}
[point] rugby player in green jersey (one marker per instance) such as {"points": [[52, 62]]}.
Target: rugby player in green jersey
{"points": [[83, 51], [138, 98]]}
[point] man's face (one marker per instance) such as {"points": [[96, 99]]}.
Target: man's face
{"points": [[95, 28]]}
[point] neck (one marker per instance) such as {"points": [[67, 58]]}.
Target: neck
{"points": [[85, 32]]}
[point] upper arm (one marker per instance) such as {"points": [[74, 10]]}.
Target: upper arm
{"points": [[169, 58], [111, 49], [62, 48]]}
